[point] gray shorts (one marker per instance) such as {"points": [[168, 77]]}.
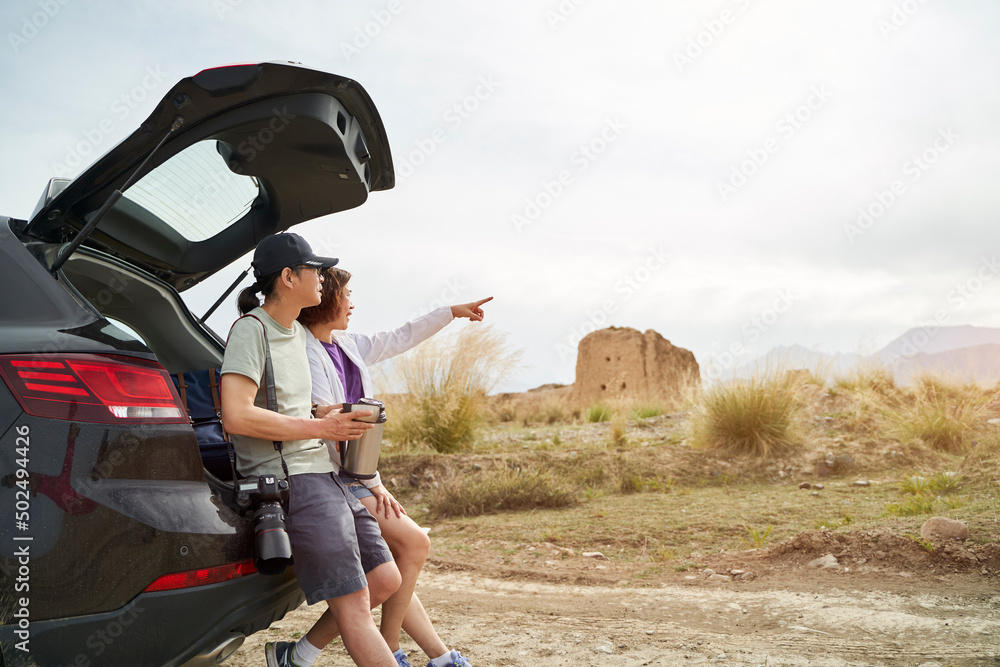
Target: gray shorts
{"points": [[335, 540]]}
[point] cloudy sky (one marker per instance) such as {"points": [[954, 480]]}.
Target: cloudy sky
{"points": [[734, 174]]}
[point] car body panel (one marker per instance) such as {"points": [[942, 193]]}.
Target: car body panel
{"points": [[111, 509], [40, 314], [145, 631]]}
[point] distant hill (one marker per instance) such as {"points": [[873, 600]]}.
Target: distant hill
{"points": [[931, 340], [963, 353], [978, 363]]}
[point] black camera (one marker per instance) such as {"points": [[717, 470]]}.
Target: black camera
{"points": [[271, 547]]}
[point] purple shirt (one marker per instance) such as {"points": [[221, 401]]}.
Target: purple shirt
{"points": [[347, 371]]}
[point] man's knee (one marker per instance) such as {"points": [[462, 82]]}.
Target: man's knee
{"points": [[346, 606], [383, 582]]}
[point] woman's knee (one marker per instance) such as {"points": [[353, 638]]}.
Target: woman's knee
{"points": [[412, 546], [405, 536], [420, 543]]}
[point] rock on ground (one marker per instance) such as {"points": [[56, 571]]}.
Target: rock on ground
{"points": [[941, 528]]}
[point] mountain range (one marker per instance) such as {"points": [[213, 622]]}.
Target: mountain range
{"points": [[961, 353]]}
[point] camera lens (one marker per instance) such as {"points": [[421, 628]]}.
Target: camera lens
{"points": [[272, 549]]}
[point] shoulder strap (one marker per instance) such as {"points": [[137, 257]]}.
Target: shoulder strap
{"points": [[269, 388], [272, 397]]}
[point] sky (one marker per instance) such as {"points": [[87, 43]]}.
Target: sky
{"points": [[733, 174]]}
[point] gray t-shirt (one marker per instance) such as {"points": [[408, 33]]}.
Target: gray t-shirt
{"points": [[245, 355]]}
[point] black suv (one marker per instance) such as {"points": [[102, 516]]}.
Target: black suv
{"points": [[116, 546]]}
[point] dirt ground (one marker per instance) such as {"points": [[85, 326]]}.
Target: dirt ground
{"points": [[883, 603], [882, 599]]}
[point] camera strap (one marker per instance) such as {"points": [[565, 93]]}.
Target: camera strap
{"points": [[270, 391]]}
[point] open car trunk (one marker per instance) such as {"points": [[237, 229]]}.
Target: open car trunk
{"points": [[247, 151]]}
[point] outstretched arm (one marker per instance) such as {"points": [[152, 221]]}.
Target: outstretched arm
{"points": [[473, 310], [381, 346]]}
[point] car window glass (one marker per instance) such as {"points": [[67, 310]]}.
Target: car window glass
{"points": [[195, 192], [122, 331]]}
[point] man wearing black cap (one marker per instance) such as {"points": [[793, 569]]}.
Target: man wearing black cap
{"points": [[338, 551]]}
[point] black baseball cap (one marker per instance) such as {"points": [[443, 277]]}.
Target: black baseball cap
{"points": [[276, 252]]}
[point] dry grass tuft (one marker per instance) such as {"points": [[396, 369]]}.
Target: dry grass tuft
{"points": [[509, 490], [943, 415], [939, 413], [550, 404], [983, 461], [753, 417], [446, 381], [872, 378], [599, 412], [618, 437], [865, 416], [648, 411]]}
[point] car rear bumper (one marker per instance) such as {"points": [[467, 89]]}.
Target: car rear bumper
{"points": [[166, 628]]}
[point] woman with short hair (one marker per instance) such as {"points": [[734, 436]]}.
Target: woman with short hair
{"points": [[338, 363]]}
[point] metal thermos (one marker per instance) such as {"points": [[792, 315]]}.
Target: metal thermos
{"points": [[359, 457]]}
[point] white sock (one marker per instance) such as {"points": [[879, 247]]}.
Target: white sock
{"points": [[442, 660], [305, 653]]}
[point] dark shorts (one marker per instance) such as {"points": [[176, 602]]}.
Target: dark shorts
{"points": [[335, 540]]}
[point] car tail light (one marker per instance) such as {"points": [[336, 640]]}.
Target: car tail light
{"points": [[210, 575], [93, 388]]}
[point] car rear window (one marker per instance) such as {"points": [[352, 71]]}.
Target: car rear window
{"points": [[195, 192]]}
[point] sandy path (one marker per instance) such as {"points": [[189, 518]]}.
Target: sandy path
{"points": [[822, 622]]}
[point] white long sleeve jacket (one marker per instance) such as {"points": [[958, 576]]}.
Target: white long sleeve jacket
{"points": [[365, 351]]}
